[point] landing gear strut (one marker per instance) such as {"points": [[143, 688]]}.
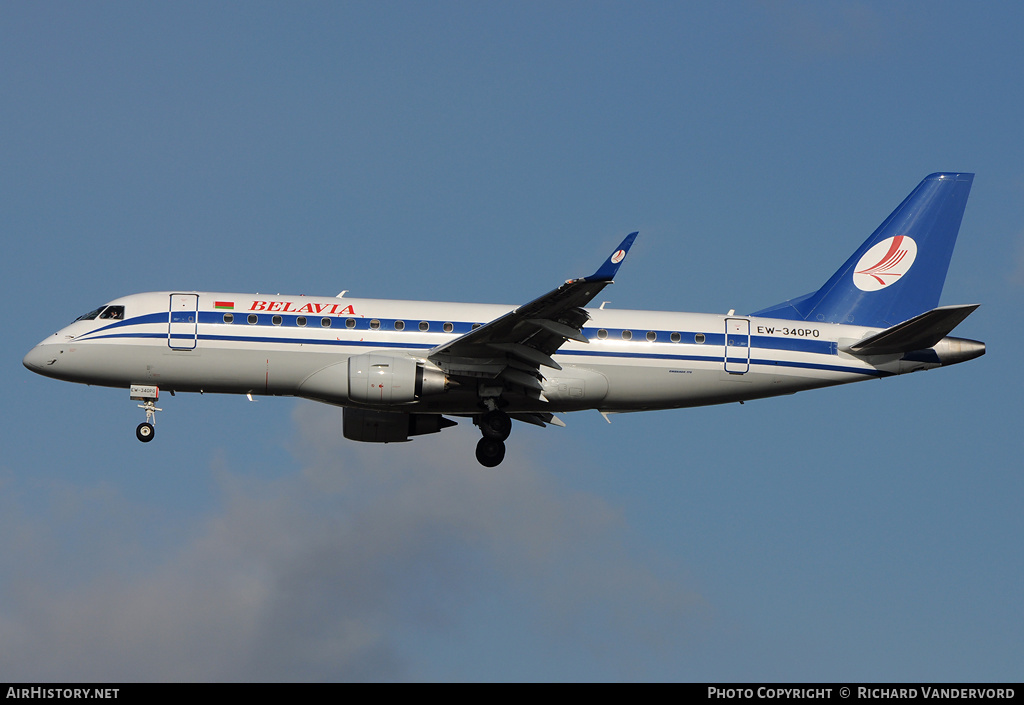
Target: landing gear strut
{"points": [[495, 426]]}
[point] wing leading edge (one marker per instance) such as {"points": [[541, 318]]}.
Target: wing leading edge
{"points": [[513, 347]]}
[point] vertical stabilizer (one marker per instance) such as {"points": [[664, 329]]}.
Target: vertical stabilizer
{"points": [[899, 271]]}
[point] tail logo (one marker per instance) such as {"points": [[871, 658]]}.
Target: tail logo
{"points": [[618, 256], [885, 263]]}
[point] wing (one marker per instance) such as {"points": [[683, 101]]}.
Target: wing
{"points": [[510, 350]]}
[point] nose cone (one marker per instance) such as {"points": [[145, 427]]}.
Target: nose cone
{"points": [[40, 358]]}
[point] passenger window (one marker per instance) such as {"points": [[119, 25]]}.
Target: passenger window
{"points": [[229, 317], [424, 326], [253, 318], [300, 321], [350, 323], [627, 335], [374, 324], [325, 322], [276, 320], [448, 327], [651, 336], [675, 337], [699, 338], [602, 334], [399, 325]]}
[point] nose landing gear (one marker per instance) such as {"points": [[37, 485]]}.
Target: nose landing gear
{"points": [[147, 395], [145, 431]]}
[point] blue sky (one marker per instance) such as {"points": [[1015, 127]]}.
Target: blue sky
{"points": [[486, 152]]}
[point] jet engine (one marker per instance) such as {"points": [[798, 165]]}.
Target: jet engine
{"points": [[389, 426], [381, 379]]}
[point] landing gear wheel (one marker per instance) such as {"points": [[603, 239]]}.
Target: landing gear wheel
{"points": [[145, 432], [495, 425], [490, 452]]}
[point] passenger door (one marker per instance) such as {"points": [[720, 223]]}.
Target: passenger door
{"points": [[182, 325]]}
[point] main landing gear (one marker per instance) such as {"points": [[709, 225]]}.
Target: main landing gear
{"points": [[495, 425]]}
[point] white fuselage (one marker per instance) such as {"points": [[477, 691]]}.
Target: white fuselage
{"points": [[300, 346]]}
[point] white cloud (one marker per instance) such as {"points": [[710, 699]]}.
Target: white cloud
{"points": [[343, 570]]}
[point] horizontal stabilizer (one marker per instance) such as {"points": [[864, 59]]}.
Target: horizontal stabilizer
{"points": [[918, 333]]}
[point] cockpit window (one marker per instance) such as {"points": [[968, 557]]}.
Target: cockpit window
{"points": [[91, 315], [111, 313]]}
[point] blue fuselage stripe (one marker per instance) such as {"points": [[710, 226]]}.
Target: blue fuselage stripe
{"points": [[265, 320], [817, 347]]}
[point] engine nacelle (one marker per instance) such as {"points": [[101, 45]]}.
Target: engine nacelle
{"points": [[372, 426], [380, 379]]}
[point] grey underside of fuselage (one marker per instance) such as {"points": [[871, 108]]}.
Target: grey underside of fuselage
{"points": [[322, 376]]}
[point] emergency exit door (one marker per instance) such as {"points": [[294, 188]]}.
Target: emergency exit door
{"points": [[737, 345]]}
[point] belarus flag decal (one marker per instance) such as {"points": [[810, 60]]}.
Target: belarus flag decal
{"points": [[224, 304]]}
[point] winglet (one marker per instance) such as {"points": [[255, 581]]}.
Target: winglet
{"points": [[611, 265]]}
